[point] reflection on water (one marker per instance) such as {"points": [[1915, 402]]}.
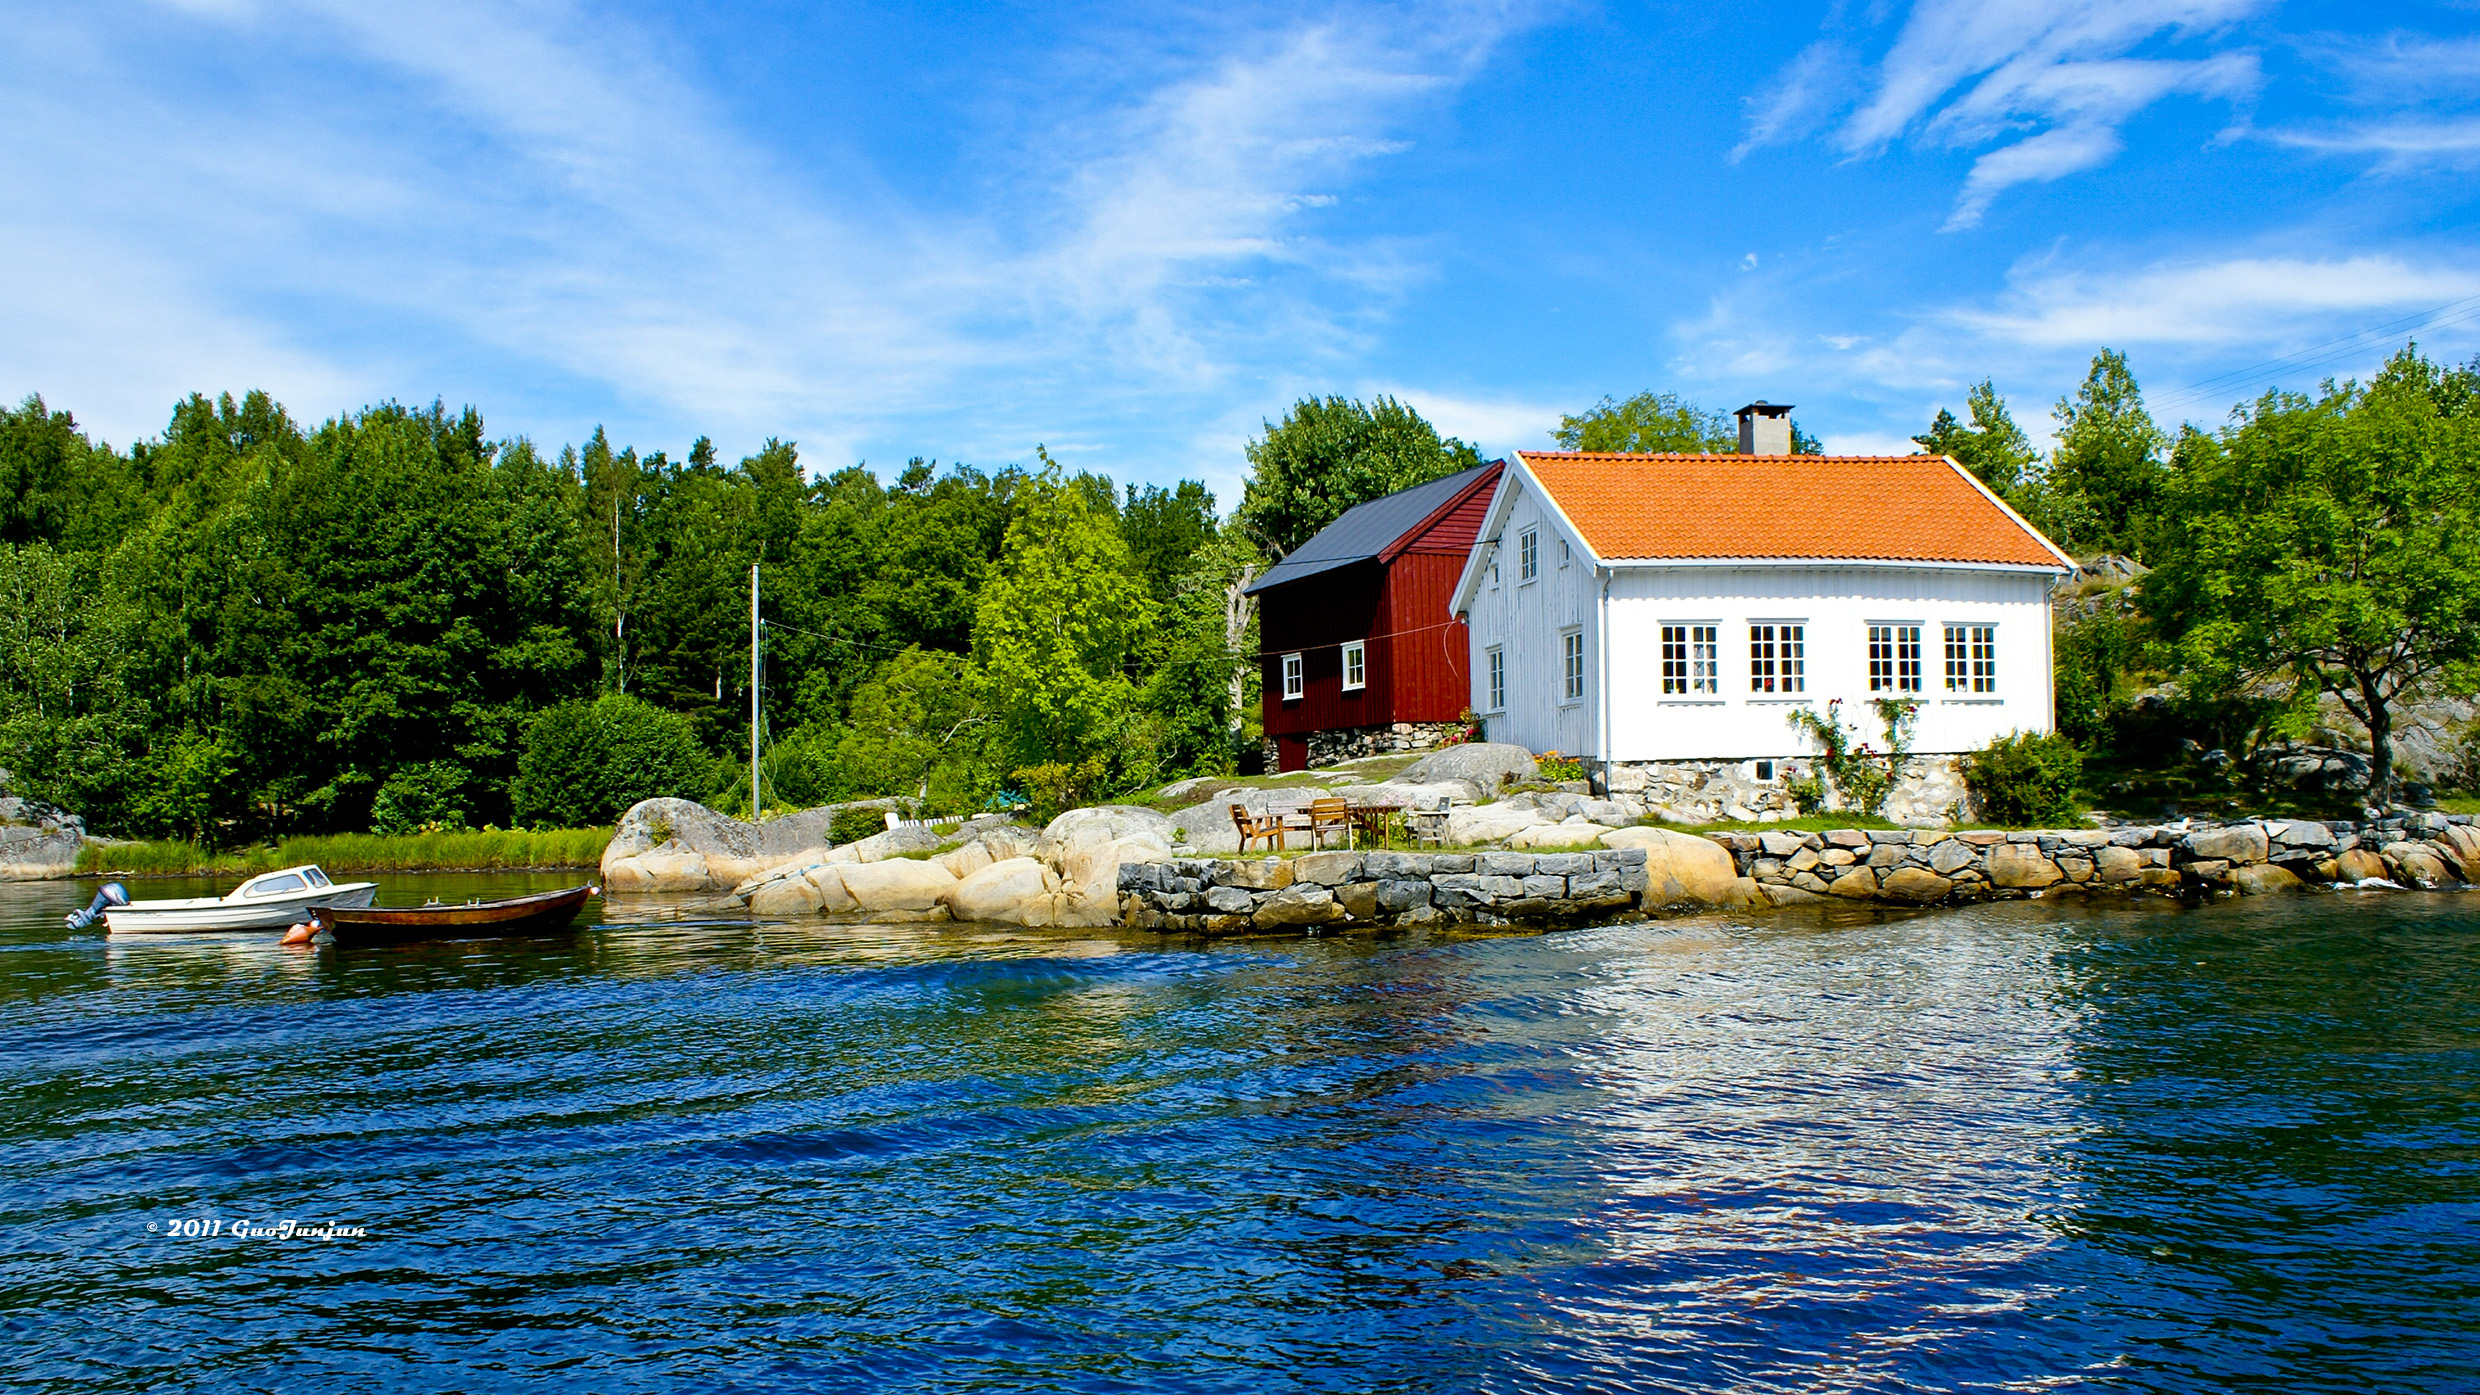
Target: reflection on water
{"points": [[2027, 1147]]}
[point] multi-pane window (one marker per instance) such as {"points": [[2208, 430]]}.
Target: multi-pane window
{"points": [[1571, 663], [1691, 659], [1971, 658], [1894, 658], [1355, 665], [1778, 658], [1528, 554], [1498, 680], [1292, 684]]}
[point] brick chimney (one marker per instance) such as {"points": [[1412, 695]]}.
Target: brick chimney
{"points": [[1764, 428]]}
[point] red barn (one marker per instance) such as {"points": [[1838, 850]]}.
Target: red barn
{"points": [[1360, 652]]}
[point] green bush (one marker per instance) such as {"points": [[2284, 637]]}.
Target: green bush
{"points": [[852, 825], [419, 798], [2024, 779], [585, 763]]}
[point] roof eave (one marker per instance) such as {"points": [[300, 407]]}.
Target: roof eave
{"points": [[1891, 563]]}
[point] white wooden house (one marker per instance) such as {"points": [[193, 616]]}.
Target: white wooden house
{"points": [[1674, 608]]}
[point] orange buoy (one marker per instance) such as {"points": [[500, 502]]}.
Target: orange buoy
{"points": [[302, 932]]}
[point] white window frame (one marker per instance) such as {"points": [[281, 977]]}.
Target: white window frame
{"points": [[1528, 555], [1355, 666], [1295, 679], [1497, 670], [1890, 671], [1972, 659], [1571, 666], [1691, 660], [1566, 553], [1778, 658]]}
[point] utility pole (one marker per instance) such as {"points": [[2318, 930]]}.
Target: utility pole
{"points": [[753, 693]]}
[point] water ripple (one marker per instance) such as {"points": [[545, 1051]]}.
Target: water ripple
{"points": [[2025, 1148]]}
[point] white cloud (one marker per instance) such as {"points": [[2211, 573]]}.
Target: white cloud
{"points": [[2063, 72], [1495, 425], [2402, 144], [2239, 301], [364, 194]]}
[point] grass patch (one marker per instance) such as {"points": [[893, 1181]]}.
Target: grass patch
{"points": [[358, 852], [2459, 804]]}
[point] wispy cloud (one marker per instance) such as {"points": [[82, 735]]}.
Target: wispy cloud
{"points": [[2238, 301], [2050, 85], [546, 189]]}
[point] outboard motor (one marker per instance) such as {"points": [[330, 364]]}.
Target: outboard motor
{"points": [[113, 894]]}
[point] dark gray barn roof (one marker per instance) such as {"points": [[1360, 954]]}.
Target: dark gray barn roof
{"points": [[1365, 530]]}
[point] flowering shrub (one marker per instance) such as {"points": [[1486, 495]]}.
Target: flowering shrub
{"points": [[1556, 767]]}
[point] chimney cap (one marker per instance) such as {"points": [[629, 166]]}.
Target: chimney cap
{"points": [[1763, 408]]}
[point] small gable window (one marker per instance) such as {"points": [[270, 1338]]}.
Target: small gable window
{"points": [[1293, 686], [1355, 665], [1528, 554]]}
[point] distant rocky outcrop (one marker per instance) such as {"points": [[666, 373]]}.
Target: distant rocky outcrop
{"points": [[1489, 766], [681, 845], [1068, 873], [37, 841]]}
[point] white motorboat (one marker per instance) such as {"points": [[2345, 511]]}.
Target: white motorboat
{"points": [[269, 901]]}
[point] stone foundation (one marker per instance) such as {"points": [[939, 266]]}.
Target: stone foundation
{"points": [[1359, 743], [1927, 792]]}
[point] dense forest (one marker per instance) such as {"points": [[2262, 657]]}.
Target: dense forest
{"points": [[246, 628]]}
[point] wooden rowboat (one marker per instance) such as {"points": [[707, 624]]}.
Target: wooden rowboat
{"points": [[544, 913]]}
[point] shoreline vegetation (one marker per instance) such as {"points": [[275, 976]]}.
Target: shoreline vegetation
{"points": [[466, 850]]}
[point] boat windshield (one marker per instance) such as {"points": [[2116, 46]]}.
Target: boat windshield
{"points": [[317, 877], [275, 886]]}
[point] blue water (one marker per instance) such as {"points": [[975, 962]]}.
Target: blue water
{"points": [[2031, 1147]]}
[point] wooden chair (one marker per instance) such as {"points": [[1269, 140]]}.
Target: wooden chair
{"points": [[1329, 816], [1292, 811], [1429, 824], [1253, 827]]}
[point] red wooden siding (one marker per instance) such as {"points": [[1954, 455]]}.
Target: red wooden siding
{"points": [[1313, 618], [1420, 657]]}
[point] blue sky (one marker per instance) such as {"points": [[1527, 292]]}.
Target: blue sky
{"points": [[1134, 232]]}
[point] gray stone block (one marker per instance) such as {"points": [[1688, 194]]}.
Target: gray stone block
{"points": [[1612, 859], [1781, 844], [1631, 878], [1500, 864], [1395, 866], [1594, 886], [1562, 864], [1478, 889], [1951, 855], [1403, 894], [1450, 863], [1230, 900], [1554, 888], [1883, 836]]}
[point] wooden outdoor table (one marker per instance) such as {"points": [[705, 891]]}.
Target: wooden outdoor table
{"points": [[1376, 819]]}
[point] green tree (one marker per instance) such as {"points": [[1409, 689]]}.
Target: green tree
{"points": [[1061, 617], [1328, 455], [2331, 543], [1164, 528], [2104, 482], [585, 763], [1649, 422], [919, 728], [1993, 447]]}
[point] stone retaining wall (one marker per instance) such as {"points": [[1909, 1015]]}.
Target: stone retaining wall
{"points": [[2179, 860], [1341, 890], [1345, 890]]}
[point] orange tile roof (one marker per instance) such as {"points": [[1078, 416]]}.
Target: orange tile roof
{"points": [[1906, 508]]}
